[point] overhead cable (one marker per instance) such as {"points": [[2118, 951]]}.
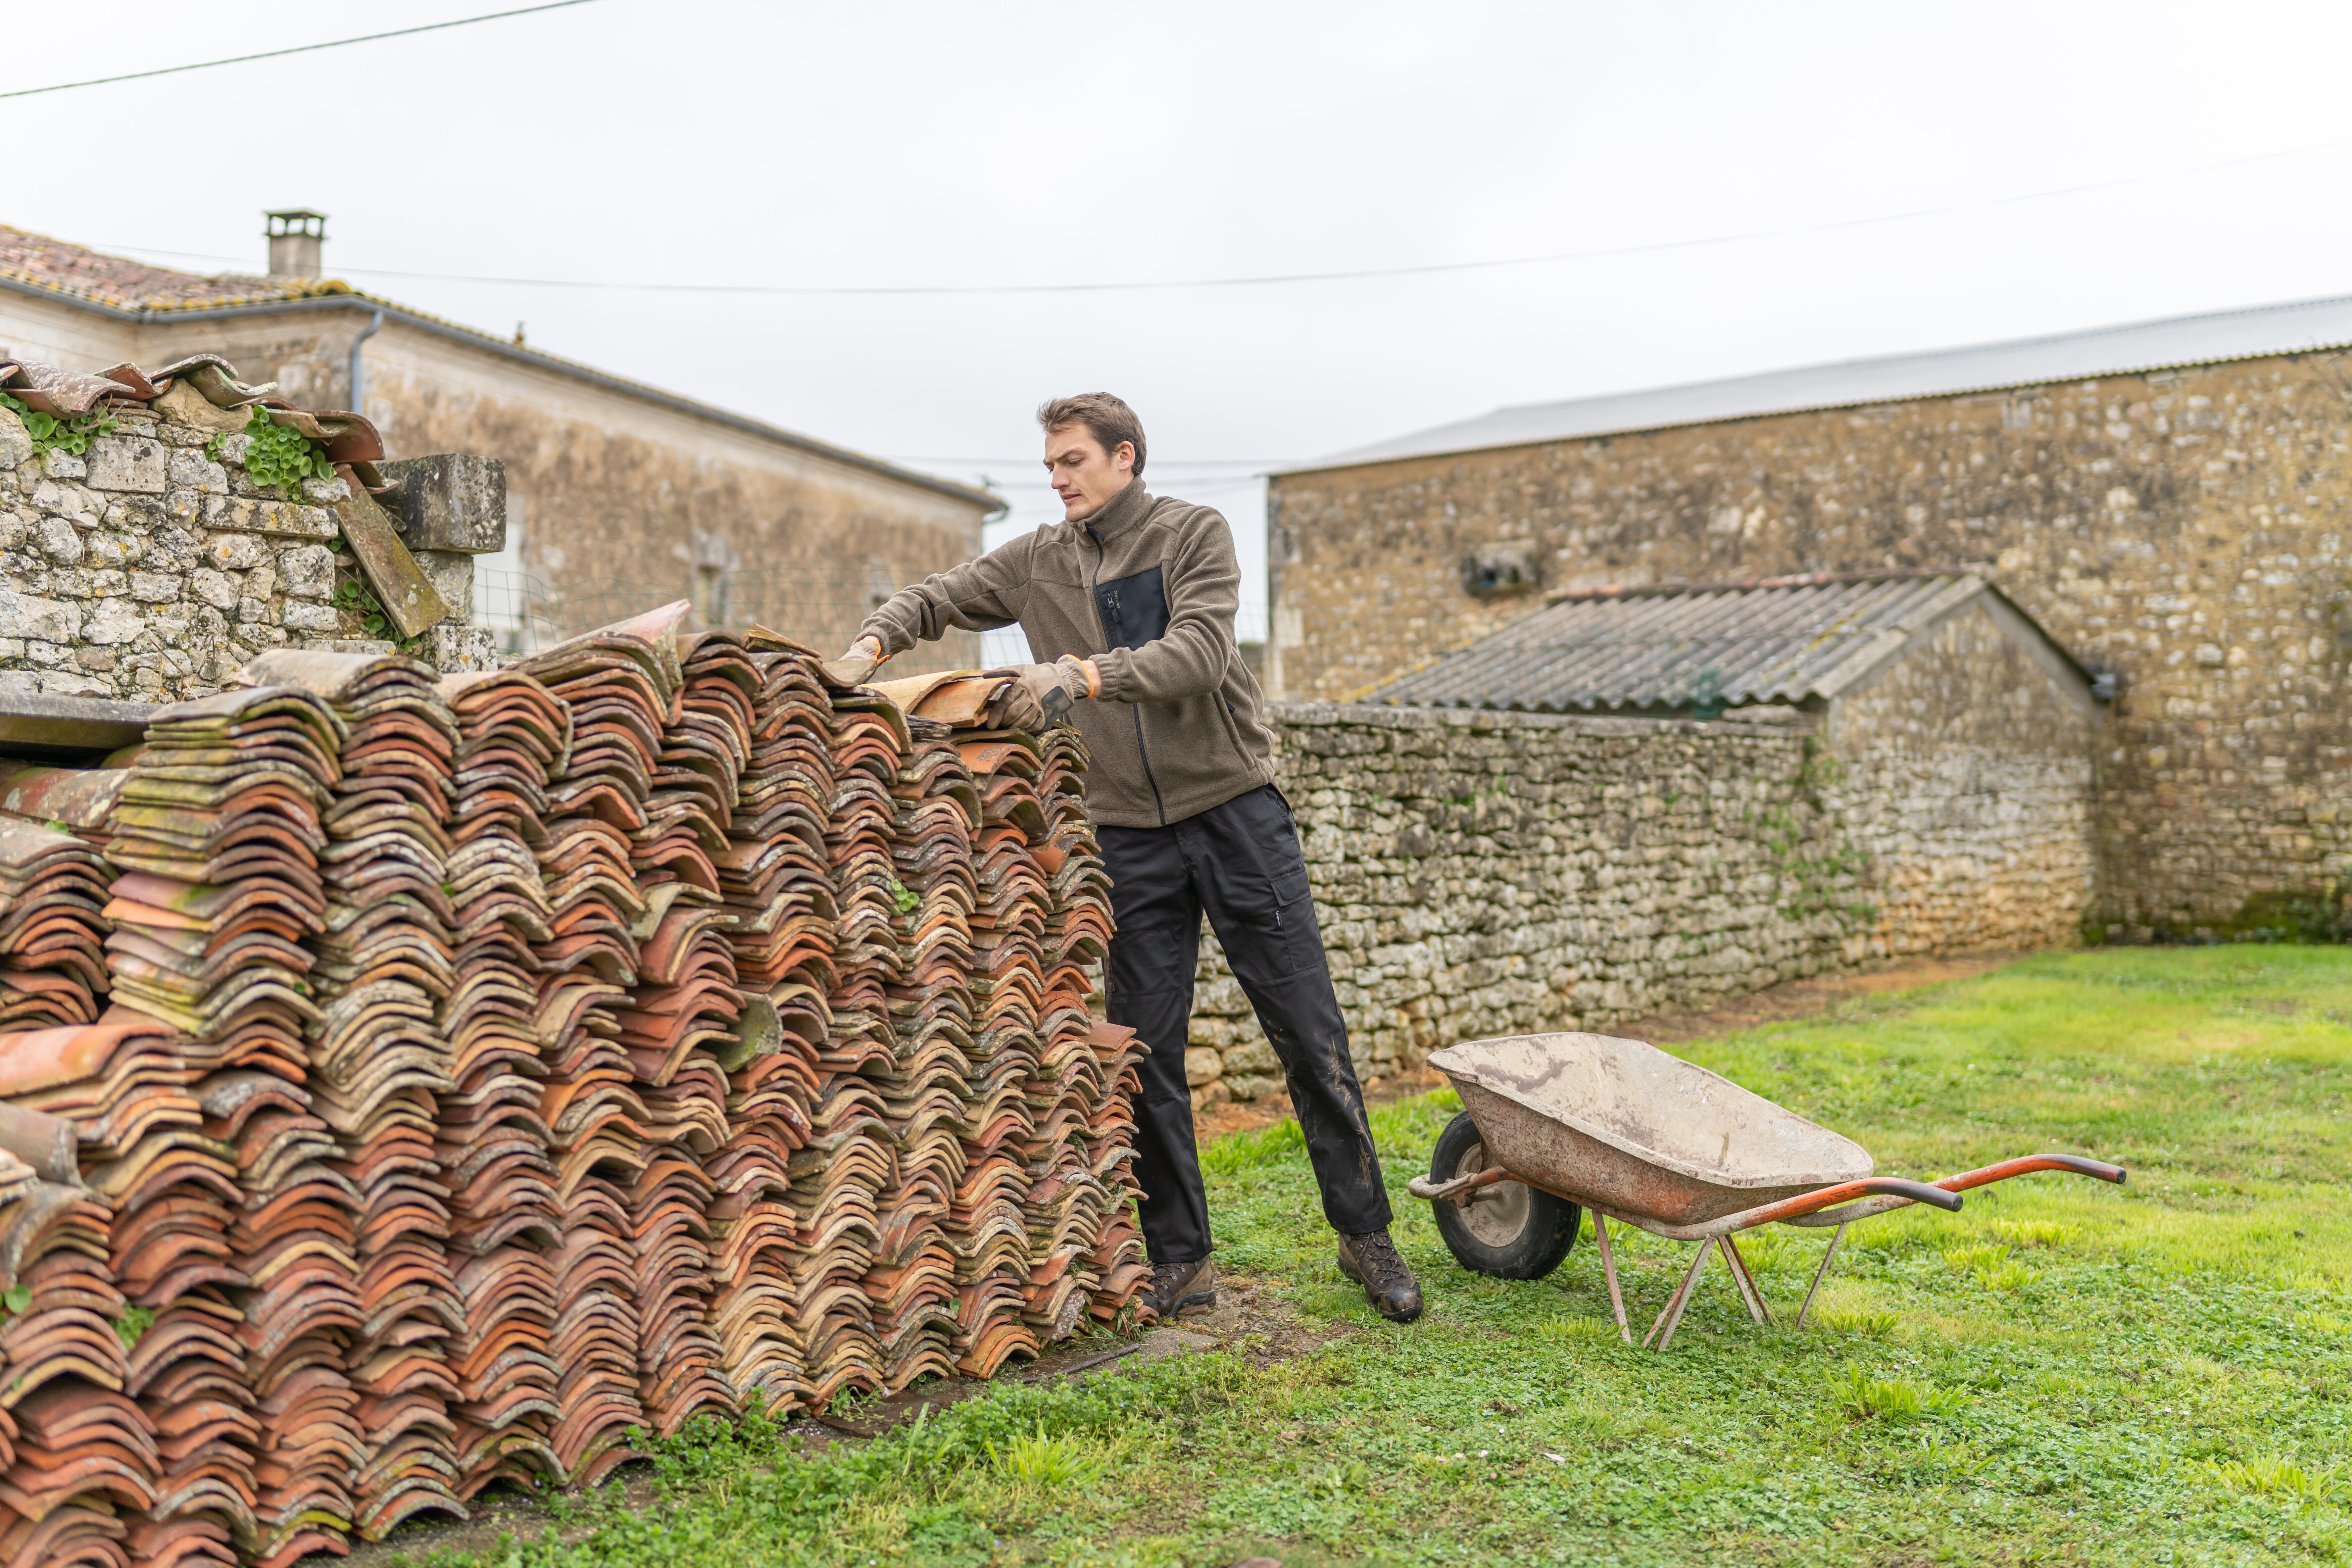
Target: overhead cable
{"points": [[297, 50]]}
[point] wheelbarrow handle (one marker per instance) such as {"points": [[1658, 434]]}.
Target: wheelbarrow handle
{"points": [[1846, 1192], [1988, 1174]]}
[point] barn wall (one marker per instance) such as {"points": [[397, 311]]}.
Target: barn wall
{"points": [[2185, 529]]}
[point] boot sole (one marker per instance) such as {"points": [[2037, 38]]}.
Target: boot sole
{"points": [[1348, 1266]]}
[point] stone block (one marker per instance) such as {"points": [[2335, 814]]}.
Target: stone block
{"points": [[16, 444], [23, 616], [1247, 1087], [137, 463], [289, 520], [302, 618], [189, 469], [60, 684], [235, 552], [308, 572], [154, 587], [452, 500], [451, 649], [59, 541], [1256, 1057], [116, 621], [1202, 1066], [452, 577], [215, 588]]}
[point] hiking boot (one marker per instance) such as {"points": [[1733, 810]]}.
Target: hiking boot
{"points": [[1179, 1287], [1372, 1261]]}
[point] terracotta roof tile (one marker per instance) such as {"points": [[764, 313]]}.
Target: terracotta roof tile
{"points": [[119, 281]]}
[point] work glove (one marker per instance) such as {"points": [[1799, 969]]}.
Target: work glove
{"points": [[855, 666], [1041, 694]]}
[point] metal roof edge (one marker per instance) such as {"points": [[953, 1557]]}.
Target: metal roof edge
{"points": [[405, 315], [1341, 460]]}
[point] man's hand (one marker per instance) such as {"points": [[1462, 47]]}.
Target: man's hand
{"points": [[855, 666], [1042, 693]]}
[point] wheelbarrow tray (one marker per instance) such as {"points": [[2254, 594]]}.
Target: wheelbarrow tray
{"points": [[1627, 1128]]}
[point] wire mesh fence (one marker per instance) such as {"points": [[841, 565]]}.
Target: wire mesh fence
{"points": [[821, 608]]}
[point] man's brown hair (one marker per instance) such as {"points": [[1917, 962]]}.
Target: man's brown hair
{"points": [[1106, 419]]}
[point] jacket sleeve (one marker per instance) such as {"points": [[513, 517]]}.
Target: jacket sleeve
{"points": [[1204, 582], [977, 596]]}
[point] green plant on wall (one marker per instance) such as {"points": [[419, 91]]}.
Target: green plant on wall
{"points": [[354, 596], [51, 434], [277, 456], [1818, 881]]}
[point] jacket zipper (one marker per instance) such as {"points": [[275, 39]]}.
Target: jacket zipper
{"points": [[1094, 592]]}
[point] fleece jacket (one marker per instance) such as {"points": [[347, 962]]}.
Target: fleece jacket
{"points": [[1147, 588]]}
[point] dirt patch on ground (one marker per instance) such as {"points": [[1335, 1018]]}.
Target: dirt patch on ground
{"points": [[1788, 1003]]}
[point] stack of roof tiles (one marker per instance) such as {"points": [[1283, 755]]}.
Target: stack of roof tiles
{"points": [[218, 834], [492, 1140], [379, 1060], [500, 1068]]}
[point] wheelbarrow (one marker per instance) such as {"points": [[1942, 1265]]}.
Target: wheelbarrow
{"points": [[1555, 1125]]}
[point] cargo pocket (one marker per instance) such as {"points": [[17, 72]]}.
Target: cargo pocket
{"points": [[1295, 935]]}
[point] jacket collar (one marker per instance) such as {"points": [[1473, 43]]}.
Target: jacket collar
{"points": [[1126, 509]]}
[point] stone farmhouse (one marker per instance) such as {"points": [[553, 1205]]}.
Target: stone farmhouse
{"points": [[2170, 501], [621, 496]]}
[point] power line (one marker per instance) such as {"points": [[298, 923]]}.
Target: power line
{"points": [[298, 50], [1428, 269]]}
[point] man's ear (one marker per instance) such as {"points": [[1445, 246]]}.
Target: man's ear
{"points": [[1124, 458]]}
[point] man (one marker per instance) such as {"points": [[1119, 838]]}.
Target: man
{"points": [[1130, 598]]}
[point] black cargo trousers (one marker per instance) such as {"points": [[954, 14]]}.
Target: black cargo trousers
{"points": [[1239, 863]]}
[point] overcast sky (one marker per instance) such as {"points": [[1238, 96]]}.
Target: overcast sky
{"points": [[991, 145]]}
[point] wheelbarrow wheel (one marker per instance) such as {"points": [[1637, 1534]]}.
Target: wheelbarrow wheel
{"points": [[1508, 1230]]}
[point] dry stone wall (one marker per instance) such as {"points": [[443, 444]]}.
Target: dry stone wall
{"points": [[2184, 528], [146, 569], [1482, 873]]}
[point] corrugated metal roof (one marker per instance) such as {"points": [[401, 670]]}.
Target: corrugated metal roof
{"points": [[2025, 362], [1681, 646]]}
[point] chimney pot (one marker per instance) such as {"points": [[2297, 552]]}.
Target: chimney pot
{"points": [[297, 238]]}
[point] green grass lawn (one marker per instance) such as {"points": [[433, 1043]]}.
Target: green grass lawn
{"points": [[2064, 1373]]}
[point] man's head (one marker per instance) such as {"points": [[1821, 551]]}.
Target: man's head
{"points": [[1094, 448]]}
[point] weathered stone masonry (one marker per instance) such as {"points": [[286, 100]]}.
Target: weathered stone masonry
{"points": [[2185, 529], [146, 571], [1481, 873]]}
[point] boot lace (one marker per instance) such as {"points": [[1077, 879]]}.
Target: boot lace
{"points": [[1376, 1255], [1167, 1276]]}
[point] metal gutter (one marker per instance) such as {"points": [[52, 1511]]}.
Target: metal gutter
{"points": [[433, 326]]}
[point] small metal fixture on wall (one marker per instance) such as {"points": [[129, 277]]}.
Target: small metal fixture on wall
{"points": [[1490, 574]]}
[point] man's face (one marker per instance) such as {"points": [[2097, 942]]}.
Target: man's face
{"points": [[1084, 474]]}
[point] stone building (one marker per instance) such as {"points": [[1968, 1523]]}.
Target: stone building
{"points": [[1644, 800], [621, 496], [2169, 499]]}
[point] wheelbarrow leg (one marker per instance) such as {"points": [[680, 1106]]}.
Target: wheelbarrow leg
{"points": [[1671, 1317], [1745, 1281], [1609, 1271], [1821, 1274]]}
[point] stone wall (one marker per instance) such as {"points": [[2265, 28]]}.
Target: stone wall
{"points": [[2185, 529], [1481, 873], [145, 571], [626, 496], [1963, 783]]}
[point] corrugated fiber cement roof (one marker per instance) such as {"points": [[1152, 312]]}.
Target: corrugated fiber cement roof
{"points": [[2209, 338], [1683, 646]]}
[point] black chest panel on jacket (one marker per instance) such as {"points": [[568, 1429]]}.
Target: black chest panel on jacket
{"points": [[1134, 610]]}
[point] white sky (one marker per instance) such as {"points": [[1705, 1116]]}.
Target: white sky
{"points": [[974, 144]]}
